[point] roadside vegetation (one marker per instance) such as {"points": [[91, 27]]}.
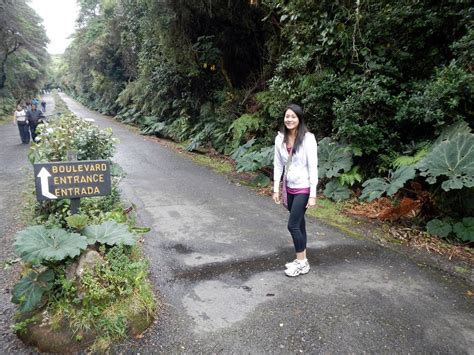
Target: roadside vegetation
{"points": [[387, 88], [23, 56], [84, 279]]}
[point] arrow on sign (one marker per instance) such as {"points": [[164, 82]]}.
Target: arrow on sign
{"points": [[44, 175]]}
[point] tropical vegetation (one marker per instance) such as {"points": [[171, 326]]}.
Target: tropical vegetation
{"points": [[23, 55], [387, 87]]}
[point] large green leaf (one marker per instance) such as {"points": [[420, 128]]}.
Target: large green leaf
{"points": [[333, 159], [255, 160], [29, 291], [37, 243], [374, 188], [465, 229], [242, 149], [452, 132], [109, 232], [261, 180], [336, 192], [399, 178], [439, 228], [452, 158]]}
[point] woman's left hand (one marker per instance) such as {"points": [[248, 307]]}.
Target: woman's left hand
{"points": [[311, 202]]}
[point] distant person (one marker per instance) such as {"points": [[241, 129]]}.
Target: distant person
{"points": [[19, 117], [35, 101], [27, 106], [296, 158], [43, 105], [35, 117]]}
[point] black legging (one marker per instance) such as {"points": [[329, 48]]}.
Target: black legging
{"points": [[296, 224]]}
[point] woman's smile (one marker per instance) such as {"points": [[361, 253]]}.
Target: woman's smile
{"points": [[291, 124]]}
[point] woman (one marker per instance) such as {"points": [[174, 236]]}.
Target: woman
{"points": [[296, 156], [19, 117]]}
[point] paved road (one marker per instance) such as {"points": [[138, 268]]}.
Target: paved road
{"points": [[217, 252], [15, 172]]}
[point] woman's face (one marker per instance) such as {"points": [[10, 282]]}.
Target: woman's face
{"points": [[291, 120]]}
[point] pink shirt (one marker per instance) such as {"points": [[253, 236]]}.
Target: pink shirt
{"points": [[304, 190]]}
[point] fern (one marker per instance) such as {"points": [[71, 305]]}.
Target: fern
{"points": [[178, 130], [241, 126], [202, 137], [241, 150], [407, 160], [219, 140], [153, 127], [351, 177]]}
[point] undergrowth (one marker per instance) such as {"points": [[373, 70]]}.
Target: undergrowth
{"points": [[108, 297]]}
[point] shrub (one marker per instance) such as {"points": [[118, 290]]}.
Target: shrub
{"points": [[70, 133], [246, 126]]}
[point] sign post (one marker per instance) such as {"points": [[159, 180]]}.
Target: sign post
{"points": [[72, 180], [75, 202]]}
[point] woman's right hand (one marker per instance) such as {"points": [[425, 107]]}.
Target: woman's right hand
{"points": [[276, 197]]}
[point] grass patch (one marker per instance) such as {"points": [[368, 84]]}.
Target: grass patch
{"points": [[222, 167], [60, 107], [461, 270], [329, 211]]}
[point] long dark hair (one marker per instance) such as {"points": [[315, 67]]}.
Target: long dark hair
{"points": [[301, 130]]}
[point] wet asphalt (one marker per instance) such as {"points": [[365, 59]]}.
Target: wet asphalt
{"points": [[217, 253]]}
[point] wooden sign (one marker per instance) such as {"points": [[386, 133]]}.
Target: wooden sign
{"points": [[72, 180]]}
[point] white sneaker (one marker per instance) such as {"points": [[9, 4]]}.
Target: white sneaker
{"points": [[290, 264], [297, 268]]}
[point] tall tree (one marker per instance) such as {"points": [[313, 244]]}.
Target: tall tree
{"points": [[23, 55]]}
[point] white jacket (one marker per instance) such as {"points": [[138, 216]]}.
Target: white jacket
{"points": [[303, 171]]}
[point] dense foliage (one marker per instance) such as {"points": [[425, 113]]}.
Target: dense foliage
{"points": [[23, 56], [382, 79]]}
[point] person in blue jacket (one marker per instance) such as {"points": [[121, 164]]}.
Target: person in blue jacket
{"points": [[35, 116]]}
